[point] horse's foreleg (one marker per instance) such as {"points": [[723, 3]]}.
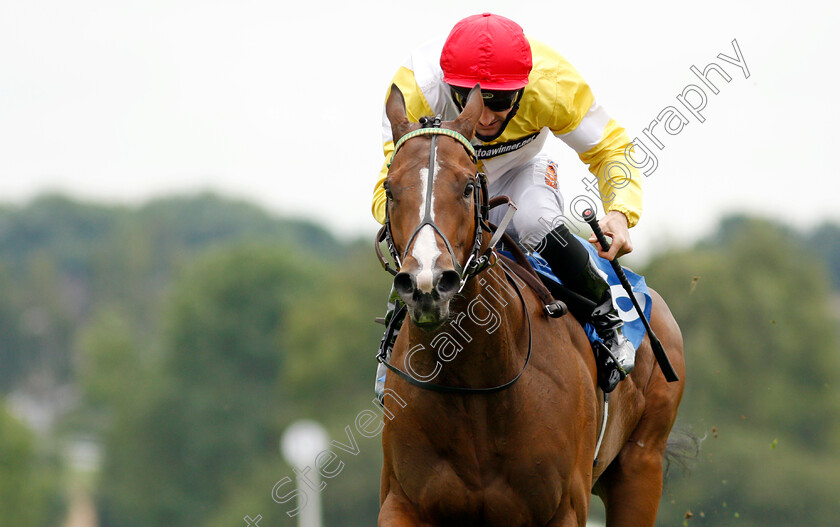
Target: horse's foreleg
{"points": [[575, 506], [397, 512], [632, 486]]}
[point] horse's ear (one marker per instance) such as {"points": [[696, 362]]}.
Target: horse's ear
{"points": [[465, 123], [395, 110]]}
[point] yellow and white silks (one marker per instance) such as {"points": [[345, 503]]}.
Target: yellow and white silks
{"points": [[556, 101]]}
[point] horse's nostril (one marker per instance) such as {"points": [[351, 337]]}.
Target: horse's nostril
{"points": [[448, 283], [403, 284]]}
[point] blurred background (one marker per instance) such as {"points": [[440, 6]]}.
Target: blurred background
{"points": [[186, 261]]}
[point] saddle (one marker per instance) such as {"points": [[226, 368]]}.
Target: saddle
{"points": [[558, 300]]}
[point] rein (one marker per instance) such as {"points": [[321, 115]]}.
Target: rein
{"points": [[477, 261], [440, 388]]}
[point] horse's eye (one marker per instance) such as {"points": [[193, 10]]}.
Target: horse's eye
{"points": [[388, 193], [468, 190]]}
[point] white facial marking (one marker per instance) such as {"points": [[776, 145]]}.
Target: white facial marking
{"points": [[425, 250], [424, 183]]}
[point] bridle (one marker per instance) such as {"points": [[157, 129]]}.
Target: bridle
{"points": [[478, 260]]}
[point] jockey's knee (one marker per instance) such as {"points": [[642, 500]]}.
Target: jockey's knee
{"points": [[532, 225], [533, 187]]}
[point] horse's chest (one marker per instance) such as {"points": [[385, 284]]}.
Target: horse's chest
{"points": [[495, 492], [488, 479], [504, 461]]}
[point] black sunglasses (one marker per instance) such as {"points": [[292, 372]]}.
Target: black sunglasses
{"points": [[495, 101]]}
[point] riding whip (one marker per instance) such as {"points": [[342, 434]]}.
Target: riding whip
{"points": [[658, 350]]}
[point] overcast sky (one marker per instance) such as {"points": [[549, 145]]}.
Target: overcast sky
{"points": [[280, 105]]}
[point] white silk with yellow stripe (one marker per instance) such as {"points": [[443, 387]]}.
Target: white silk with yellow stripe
{"points": [[556, 101]]}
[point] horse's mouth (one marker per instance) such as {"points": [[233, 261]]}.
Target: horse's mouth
{"points": [[429, 320]]}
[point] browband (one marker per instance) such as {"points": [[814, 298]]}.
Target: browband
{"points": [[435, 131]]}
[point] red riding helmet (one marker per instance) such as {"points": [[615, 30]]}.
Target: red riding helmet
{"points": [[487, 49]]}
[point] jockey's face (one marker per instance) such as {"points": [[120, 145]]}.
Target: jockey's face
{"points": [[497, 106], [491, 122]]}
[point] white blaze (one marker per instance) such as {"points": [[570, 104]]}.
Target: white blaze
{"points": [[425, 250]]}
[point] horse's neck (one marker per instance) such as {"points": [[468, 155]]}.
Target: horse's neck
{"points": [[483, 342]]}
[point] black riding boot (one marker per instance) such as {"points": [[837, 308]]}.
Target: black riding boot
{"points": [[571, 263]]}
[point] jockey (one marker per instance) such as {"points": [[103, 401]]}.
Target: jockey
{"points": [[529, 92]]}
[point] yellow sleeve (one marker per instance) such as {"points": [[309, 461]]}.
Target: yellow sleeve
{"points": [[378, 207], [416, 107], [563, 93], [585, 126], [620, 183]]}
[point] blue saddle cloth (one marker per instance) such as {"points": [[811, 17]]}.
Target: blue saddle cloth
{"points": [[633, 329]]}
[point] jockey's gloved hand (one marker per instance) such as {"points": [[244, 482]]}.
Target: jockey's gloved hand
{"points": [[614, 225]]}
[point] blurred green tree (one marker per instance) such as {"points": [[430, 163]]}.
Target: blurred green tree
{"points": [[273, 323], [215, 406], [29, 480], [11, 341], [762, 353], [256, 335], [825, 242]]}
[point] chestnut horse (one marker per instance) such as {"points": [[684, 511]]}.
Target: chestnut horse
{"points": [[518, 449]]}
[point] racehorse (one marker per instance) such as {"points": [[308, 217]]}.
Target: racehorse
{"points": [[497, 421]]}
